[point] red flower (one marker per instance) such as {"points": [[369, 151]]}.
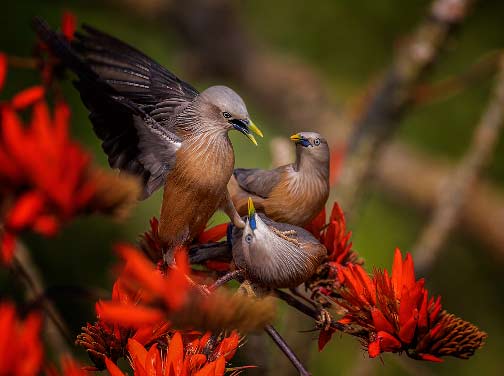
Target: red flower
{"points": [[69, 367], [20, 343], [198, 356], [152, 246], [168, 291], [68, 25], [334, 235], [395, 314], [336, 238], [46, 179]]}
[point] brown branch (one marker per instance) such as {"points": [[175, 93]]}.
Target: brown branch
{"points": [[397, 175], [455, 190], [55, 328], [392, 97]]}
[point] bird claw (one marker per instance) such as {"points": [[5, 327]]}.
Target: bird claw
{"points": [[324, 319]]}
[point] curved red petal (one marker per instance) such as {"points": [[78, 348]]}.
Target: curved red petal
{"points": [[27, 97]]}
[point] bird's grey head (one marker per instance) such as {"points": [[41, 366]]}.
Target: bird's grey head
{"points": [[229, 110], [311, 146], [256, 233]]}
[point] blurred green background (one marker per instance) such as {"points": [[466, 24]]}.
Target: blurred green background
{"points": [[348, 43]]}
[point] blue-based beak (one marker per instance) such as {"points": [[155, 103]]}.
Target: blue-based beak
{"points": [[251, 214], [299, 139]]}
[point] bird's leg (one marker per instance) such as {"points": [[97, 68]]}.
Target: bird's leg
{"points": [[228, 207], [286, 235], [324, 318]]}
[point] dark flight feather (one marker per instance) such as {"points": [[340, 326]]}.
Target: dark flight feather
{"points": [[120, 86]]}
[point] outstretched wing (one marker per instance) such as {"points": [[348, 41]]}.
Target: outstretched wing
{"points": [[258, 182], [133, 74], [119, 86]]}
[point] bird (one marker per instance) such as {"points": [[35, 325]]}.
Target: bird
{"points": [[273, 254], [293, 193], [158, 127]]}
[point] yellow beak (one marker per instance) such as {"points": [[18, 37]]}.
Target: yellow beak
{"points": [[251, 209], [295, 137], [255, 129], [251, 138]]}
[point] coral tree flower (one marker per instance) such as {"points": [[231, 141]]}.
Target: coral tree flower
{"points": [[47, 179], [20, 345], [184, 356], [395, 313], [336, 238]]}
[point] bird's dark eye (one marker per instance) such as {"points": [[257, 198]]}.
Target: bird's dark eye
{"points": [[248, 238], [226, 114], [316, 142]]}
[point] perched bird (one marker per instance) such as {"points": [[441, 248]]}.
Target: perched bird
{"points": [[294, 193], [158, 127], [275, 255]]}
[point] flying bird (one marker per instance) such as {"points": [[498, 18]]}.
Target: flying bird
{"points": [[273, 254], [158, 127], [294, 193]]}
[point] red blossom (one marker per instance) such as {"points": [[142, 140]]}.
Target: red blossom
{"points": [[394, 314], [335, 237], [69, 367], [184, 356], [68, 25], [20, 343]]}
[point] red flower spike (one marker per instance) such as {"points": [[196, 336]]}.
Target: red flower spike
{"points": [[25, 211], [68, 25], [388, 343], [213, 234], [374, 349], [20, 344], [28, 97], [175, 357], [380, 322], [403, 319], [127, 315], [7, 247], [112, 368], [397, 273], [430, 358], [324, 337]]}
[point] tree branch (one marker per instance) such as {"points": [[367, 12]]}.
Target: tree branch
{"points": [[455, 190], [55, 328]]}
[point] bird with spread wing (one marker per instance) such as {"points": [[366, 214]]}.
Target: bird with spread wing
{"points": [[157, 127]]}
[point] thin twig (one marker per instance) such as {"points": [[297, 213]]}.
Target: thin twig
{"points": [[455, 190], [282, 345], [225, 279], [55, 328], [307, 310]]}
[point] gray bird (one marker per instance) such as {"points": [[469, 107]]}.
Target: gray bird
{"points": [[294, 193], [158, 127], [275, 255]]}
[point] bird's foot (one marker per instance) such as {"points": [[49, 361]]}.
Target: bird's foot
{"points": [[324, 319], [286, 235]]}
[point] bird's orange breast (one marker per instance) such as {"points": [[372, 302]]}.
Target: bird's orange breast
{"points": [[194, 190]]}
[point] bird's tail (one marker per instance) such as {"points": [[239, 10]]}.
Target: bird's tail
{"points": [[62, 49]]}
